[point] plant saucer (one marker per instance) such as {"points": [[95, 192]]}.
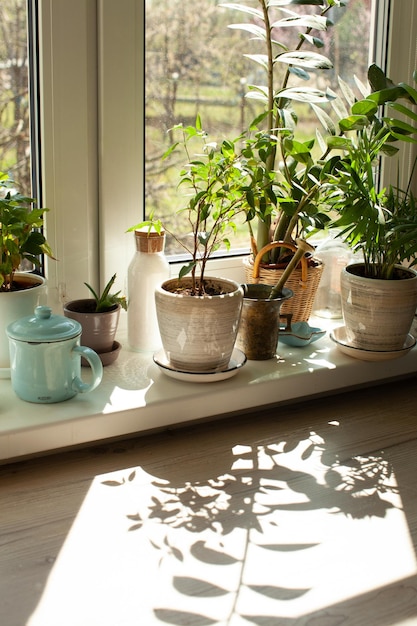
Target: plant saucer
{"points": [[237, 361], [107, 358], [338, 335]]}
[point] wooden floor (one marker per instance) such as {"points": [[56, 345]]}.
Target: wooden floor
{"points": [[300, 515]]}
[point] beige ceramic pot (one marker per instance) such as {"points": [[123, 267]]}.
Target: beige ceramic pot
{"points": [[378, 313], [17, 304], [198, 332]]}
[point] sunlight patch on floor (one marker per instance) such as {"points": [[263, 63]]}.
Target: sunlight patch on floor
{"points": [[279, 531]]}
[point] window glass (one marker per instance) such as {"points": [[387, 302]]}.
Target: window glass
{"points": [[14, 93], [195, 64]]}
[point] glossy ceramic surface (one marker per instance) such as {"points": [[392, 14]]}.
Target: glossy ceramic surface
{"points": [[339, 336], [45, 358], [377, 314], [236, 362], [107, 358], [15, 305], [301, 334], [198, 333], [98, 329]]}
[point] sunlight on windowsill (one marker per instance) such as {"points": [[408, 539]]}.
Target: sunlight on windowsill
{"points": [[135, 396]]}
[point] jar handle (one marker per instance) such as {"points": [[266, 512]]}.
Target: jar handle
{"points": [[96, 368]]}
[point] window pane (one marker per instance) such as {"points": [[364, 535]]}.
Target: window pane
{"points": [[196, 64], [14, 93]]}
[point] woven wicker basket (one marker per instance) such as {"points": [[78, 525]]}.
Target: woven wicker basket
{"points": [[304, 280]]}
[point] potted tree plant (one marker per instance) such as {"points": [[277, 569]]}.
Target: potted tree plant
{"points": [[21, 242], [198, 315], [379, 295], [201, 317], [99, 318]]}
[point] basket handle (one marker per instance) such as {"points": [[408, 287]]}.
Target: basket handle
{"points": [[280, 244]]}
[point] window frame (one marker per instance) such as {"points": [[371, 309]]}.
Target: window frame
{"points": [[92, 61]]}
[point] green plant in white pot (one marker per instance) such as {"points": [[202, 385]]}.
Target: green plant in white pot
{"points": [[379, 295], [198, 315], [21, 242]]}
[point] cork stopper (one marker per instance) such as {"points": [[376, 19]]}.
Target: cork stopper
{"points": [[149, 241]]}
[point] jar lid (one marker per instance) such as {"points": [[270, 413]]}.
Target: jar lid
{"points": [[43, 327], [149, 240]]}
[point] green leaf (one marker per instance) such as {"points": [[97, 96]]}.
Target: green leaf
{"points": [[400, 135], [364, 90], [243, 8], [321, 141], [339, 143], [365, 107], [411, 92], [258, 31], [388, 95], [403, 110], [304, 94], [347, 92], [324, 118], [285, 3], [299, 72], [399, 126], [353, 122], [377, 78], [305, 59], [261, 59], [318, 22], [169, 151], [257, 121], [314, 41], [186, 269], [389, 150]]}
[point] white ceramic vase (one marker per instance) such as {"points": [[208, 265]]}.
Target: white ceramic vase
{"points": [[377, 313], [17, 304], [198, 332]]}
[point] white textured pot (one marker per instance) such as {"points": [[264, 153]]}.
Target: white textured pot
{"points": [[17, 304], [377, 313], [198, 332]]}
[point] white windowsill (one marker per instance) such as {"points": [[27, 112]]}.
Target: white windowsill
{"points": [[135, 396]]}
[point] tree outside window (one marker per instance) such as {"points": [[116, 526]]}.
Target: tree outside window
{"points": [[14, 93], [195, 65]]}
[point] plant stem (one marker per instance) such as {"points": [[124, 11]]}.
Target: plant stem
{"points": [[302, 248]]}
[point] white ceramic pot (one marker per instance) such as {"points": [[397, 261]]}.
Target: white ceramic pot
{"points": [[198, 332], [377, 313], [17, 304]]}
